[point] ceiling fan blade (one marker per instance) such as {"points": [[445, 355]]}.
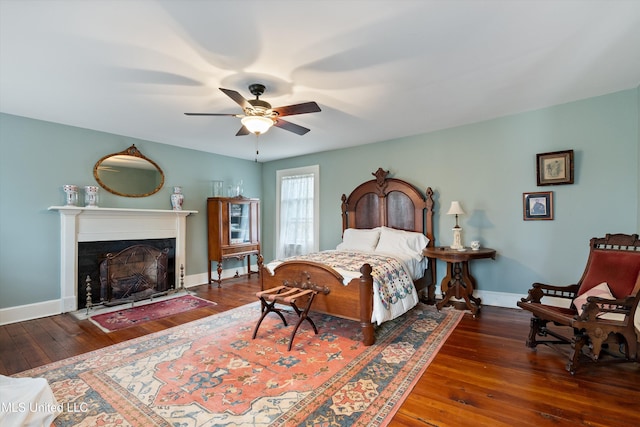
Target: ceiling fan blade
{"points": [[236, 97], [243, 131], [212, 114], [291, 127], [290, 110]]}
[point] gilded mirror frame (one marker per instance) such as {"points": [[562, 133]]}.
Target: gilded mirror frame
{"points": [[134, 152]]}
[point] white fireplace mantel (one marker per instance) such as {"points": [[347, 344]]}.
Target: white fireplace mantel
{"points": [[78, 224]]}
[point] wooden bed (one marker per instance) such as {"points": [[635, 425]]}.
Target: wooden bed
{"points": [[382, 201]]}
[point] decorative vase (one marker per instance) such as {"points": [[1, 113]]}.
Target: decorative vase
{"points": [[72, 194], [91, 196], [457, 239], [218, 188], [177, 198], [239, 188]]}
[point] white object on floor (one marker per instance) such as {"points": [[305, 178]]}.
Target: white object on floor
{"points": [[27, 402]]}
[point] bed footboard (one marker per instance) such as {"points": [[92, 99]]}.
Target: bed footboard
{"points": [[353, 301]]}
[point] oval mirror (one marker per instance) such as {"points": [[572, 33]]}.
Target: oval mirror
{"points": [[129, 173]]}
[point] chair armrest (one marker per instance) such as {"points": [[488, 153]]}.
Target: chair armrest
{"points": [[539, 290], [595, 307]]}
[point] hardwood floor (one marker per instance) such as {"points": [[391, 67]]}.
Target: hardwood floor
{"points": [[483, 375]]}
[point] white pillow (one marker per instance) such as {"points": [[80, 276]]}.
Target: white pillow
{"points": [[601, 291], [402, 242], [354, 239]]}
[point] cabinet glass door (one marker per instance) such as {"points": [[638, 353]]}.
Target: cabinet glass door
{"points": [[239, 223]]}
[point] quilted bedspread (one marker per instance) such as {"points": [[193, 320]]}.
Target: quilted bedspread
{"points": [[393, 289]]}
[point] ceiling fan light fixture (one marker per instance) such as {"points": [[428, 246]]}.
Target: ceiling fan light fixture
{"points": [[258, 116], [257, 124]]}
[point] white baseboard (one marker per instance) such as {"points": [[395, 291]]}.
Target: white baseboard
{"points": [[499, 299], [53, 307], [30, 311], [195, 280], [496, 299]]}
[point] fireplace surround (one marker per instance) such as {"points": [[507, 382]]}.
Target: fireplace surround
{"points": [[78, 224]]}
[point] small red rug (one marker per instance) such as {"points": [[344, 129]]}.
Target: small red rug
{"points": [[137, 315]]}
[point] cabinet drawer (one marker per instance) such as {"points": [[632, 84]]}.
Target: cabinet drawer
{"points": [[237, 250]]}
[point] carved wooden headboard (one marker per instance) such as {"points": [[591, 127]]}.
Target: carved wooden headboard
{"points": [[390, 202], [393, 203]]}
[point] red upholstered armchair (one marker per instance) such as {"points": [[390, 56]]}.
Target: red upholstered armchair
{"points": [[599, 323]]}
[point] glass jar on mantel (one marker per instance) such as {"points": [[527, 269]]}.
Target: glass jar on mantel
{"points": [[91, 196], [71, 192]]}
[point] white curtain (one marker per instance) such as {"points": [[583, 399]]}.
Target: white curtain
{"points": [[296, 215]]}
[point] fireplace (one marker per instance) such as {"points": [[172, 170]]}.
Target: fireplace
{"points": [[80, 225], [135, 273], [98, 261]]}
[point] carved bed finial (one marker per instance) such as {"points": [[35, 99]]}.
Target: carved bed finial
{"points": [[429, 199], [381, 176], [381, 180]]}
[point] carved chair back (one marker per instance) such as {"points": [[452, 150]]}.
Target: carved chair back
{"points": [[614, 259]]}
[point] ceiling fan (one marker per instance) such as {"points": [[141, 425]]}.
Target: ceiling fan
{"points": [[259, 116]]}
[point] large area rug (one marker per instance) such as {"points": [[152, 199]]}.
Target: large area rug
{"points": [[139, 314], [211, 373]]}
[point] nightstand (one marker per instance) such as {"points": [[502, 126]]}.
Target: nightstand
{"points": [[459, 282]]}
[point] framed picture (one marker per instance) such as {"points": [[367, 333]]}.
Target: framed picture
{"points": [[555, 168], [537, 206]]}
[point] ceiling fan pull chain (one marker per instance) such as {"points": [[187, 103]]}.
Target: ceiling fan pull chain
{"points": [[257, 152]]}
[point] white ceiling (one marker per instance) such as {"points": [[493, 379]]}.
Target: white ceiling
{"points": [[378, 69]]}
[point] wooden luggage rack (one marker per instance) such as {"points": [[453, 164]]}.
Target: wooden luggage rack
{"points": [[286, 295]]}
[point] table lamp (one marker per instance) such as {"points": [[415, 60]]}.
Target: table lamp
{"points": [[456, 210]]}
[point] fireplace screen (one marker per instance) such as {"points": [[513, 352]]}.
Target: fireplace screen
{"points": [[135, 273]]}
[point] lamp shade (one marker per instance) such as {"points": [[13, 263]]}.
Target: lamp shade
{"points": [[257, 124], [455, 209]]}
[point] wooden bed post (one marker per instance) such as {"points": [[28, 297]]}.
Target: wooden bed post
{"points": [[431, 289], [366, 305], [343, 208], [261, 273]]}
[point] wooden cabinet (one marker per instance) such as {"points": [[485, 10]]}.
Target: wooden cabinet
{"points": [[234, 231]]}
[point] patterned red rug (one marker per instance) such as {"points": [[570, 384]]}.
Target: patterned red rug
{"points": [[133, 316], [211, 373]]}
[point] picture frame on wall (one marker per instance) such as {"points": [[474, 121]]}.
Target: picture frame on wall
{"points": [[537, 206], [555, 168]]}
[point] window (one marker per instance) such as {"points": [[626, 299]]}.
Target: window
{"points": [[297, 211]]}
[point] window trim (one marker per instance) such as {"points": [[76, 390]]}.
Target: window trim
{"points": [[315, 170]]}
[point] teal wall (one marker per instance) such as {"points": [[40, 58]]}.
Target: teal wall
{"points": [[486, 166], [37, 158]]}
